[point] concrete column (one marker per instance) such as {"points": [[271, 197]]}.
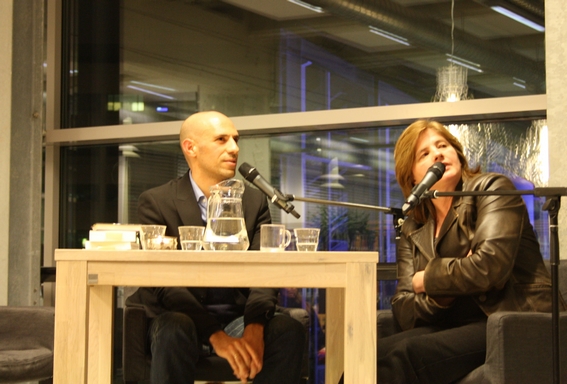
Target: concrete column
{"points": [[556, 79], [21, 182]]}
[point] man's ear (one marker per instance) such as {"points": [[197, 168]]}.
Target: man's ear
{"points": [[189, 148]]}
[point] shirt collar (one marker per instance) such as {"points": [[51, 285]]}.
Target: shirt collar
{"points": [[200, 196]]}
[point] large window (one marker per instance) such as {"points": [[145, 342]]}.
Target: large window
{"points": [[138, 61], [157, 61], [353, 166]]}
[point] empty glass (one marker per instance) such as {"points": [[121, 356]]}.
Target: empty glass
{"points": [[149, 232], [274, 237]]}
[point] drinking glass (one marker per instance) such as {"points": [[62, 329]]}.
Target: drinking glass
{"points": [[306, 239], [274, 237], [191, 237]]}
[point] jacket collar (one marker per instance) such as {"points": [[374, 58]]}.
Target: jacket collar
{"points": [[424, 237], [186, 202]]}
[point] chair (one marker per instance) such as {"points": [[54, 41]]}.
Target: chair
{"points": [[519, 344], [136, 358], [26, 343]]}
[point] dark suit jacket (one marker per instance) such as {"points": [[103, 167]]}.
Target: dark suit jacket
{"points": [[174, 204]]}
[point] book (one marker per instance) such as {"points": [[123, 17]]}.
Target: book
{"points": [[116, 227], [113, 235], [111, 245]]}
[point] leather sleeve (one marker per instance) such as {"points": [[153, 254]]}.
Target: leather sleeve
{"points": [[411, 309], [496, 227], [493, 228]]}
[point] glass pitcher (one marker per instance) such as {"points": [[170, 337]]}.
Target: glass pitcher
{"points": [[226, 230]]}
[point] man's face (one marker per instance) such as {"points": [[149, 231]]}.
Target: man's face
{"points": [[216, 150]]}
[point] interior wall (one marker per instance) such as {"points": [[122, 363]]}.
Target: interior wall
{"points": [[6, 7], [556, 57]]}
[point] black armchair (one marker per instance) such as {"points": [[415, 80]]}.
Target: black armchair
{"points": [[136, 357], [519, 344], [26, 343]]}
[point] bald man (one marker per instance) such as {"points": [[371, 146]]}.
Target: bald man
{"points": [[185, 319]]}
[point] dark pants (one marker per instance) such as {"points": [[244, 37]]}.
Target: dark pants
{"points": [[431, 355], [176, 349]]}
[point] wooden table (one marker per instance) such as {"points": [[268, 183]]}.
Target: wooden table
{"points": [[84, 302]]}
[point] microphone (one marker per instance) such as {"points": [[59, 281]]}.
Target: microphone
{"points": [[433, 174], [276, 197]]}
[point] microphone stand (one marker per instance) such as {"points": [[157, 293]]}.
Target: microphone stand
{"points": [[552, 205], [385, 271], [398, 217]]}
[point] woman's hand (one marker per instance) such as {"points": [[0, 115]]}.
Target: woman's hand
{"points": [[417, 282], [419, 287]]}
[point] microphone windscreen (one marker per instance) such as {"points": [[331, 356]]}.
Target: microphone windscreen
{"points": [[248, 171], [438, 168]]}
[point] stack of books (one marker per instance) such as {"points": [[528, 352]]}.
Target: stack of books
{"points": [[116, 237]]}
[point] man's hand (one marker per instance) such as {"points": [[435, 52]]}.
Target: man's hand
{"points": [[254, 337], [245, 355]]}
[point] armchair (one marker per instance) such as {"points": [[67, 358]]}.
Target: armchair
{"points": [[136, 357], [519, 344], [26, 343]]}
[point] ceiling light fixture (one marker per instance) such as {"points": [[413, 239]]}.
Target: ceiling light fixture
{"points": [[464, 63], [451, 83], [152, 86], [303, 4], [359, 140], [452, 79], [389, 35], [519, 83], [518, 18], [333, 178], [150, 92]]}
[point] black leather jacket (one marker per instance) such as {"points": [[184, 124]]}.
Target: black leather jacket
{"points": [[504, 272]]}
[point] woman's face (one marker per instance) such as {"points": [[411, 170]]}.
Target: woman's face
{"points": [[430, 148]]}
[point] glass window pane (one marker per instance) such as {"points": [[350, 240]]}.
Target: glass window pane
{"points": [[137, 61], [102, 183]]}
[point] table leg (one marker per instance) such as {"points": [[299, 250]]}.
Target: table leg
{"points": [[70, 344], [360, 323], [101, 309], [334, 334]]}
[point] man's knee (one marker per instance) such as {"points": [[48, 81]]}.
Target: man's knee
{"points": [[173, 328], [283, 327]]}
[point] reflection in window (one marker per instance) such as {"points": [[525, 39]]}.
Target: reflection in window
{"points": [[102, 184], [138, 61]]}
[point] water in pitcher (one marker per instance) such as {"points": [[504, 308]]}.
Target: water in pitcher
{"points": [[226, 234]]}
